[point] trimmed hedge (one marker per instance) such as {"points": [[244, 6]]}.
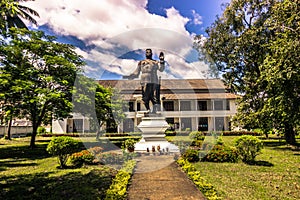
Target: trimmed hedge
{"points": [[221, 153], [118, 188], [206, 188]]}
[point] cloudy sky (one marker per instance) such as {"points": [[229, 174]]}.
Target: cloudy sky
{"points": [[112, 35]]}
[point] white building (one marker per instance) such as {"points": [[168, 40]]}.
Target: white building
{"points": [[195, 104]]}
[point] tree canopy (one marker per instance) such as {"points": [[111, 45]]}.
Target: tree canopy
{"points": [[255, 47], [12, 13], [38, 75]]}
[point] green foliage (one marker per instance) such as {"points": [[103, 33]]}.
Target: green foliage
{"points": [[191, 155], [255, 45], [129, 144], [221, 153], [62, 147], [111, 158], [41, 130], [196, 135], [108, 107], [206, 188], [38, 75], [118, 188], [170, 133], [12, 14], [82, 157], [248, 147]]}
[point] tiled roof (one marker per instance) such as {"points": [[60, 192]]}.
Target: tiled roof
{"points": [[190, 96], [175, 88], [172, 84]]}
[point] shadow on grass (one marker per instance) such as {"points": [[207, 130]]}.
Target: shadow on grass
{"points": [[14, 163], [24, 152], [73, 185], [261, 163], [273, 143]]}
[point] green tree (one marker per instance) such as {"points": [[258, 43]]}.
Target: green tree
{"points": [[109, 107], [12, 13], [280, 74], [103, 105], [40, 75], [244, 44]]}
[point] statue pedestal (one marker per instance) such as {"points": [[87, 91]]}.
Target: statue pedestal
{"points": [[153, 128]]}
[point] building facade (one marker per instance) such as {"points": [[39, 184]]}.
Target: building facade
{"points": [[193, 104]]}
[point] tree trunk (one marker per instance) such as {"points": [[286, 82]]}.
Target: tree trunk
{"points": [[33, 135], [289, 134], [9, 129]]}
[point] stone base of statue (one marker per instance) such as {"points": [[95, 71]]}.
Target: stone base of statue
{"points": [[153, 128]]}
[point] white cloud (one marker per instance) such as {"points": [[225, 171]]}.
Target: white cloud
{"points": [[116, 27], [197, 20]]}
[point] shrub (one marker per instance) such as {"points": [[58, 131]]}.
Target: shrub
{"points": [[82, 157], [111, 158], [248, 147], [197, 143], [240, 133], [196, 135], [117, 189], [129, 144], [62, 147], [221, 153], [41, 130], [191, 155], [170, 133], [96, 150], [206, 188]]}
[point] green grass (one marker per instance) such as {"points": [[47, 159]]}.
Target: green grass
{"points": [[276, 174], [33, 174]]}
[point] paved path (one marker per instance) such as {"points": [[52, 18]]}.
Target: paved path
{"points": [[160, 178]]}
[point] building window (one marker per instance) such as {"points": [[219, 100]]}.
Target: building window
{"points": [[202, 105], [185, 105], [227, 105], [219, 123], [77, 125], [168, 105], [170, 122], [128, 125], [138, 106], [131, 106], [203, 124], [186, 123], [218, 105]]}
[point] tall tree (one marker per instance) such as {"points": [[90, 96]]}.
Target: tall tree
{"points": [[280, 74], [13, 14], [102, 105], [40, 74], [240, 45], [109, 107]]}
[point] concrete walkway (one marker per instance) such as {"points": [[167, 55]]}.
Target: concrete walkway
{"points": [[159, 178]]}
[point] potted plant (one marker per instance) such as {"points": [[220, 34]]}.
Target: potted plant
{"points": [[129, 145]]}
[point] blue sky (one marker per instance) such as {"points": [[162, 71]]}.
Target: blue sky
{"points": [[112, 35]]}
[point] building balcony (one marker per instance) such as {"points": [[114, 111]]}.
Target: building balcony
{"points": [[189, 114]]}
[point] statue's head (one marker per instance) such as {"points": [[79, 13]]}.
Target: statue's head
{"points": [[149, 53]]}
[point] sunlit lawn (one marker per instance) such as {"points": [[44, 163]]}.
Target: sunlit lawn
{"points": [[33, 174], [276, 175]]}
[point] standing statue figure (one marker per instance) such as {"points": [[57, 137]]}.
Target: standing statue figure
{"points": [[149, 79]]}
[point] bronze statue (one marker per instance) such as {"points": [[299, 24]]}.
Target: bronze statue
{"points": [[149, 79]]}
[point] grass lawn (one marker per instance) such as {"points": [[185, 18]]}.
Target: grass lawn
{"points": [[33, 174], [276, 174]]}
